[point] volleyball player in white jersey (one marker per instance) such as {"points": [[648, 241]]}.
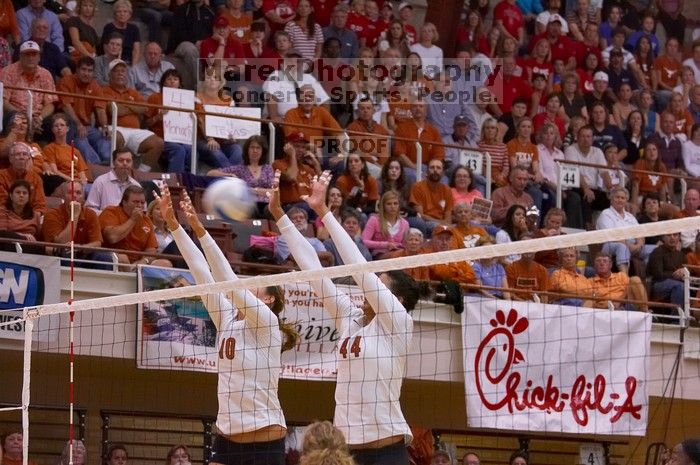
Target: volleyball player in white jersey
{"points": [[251, 425], [373, 344]]}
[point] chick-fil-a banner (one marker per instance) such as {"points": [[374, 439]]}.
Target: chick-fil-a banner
{"points": [[558, 369]]}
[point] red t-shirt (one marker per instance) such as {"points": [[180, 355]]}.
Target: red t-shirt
{"points": [[585, 80], [411, 33], [541, 118], [357, 23], [532, 66], [285, 9], [513, 87], [374, 30], [564, 48], [323, 9], [234, 52], [511, 16], [582, 50]]}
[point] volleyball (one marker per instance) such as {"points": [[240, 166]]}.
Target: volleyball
{"points": [[230, 199]]}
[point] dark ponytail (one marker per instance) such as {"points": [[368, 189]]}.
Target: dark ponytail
{"points": [[291, 336]]}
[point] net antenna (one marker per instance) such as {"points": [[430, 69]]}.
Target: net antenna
{"points": [[71, 351]]}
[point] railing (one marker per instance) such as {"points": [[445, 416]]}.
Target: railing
{"points": [[48, 427], [682, 178], [144, 442], [113, 105]]}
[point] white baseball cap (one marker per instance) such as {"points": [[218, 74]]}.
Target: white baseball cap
{"points": [[29, 46], [116, 62], [601, 76], [403, 5]]}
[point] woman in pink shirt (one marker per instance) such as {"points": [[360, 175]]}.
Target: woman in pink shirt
{"points": [[385, 231], [462, 186]]}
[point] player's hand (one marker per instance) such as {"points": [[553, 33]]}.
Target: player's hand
{"points": [[273, 195], [317, 199], [166, 208], [191, 215]]}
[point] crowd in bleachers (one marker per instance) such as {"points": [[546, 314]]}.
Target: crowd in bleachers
{"points": [[614, 84]]}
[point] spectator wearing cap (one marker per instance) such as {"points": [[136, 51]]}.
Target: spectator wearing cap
{"points": [[405, 16], [91, 140], [129, 133], [432, 200], [373, 148], [552, 11], [417, 128], [617, 74], [112, 48], [51, 56], [562, 47], [146, 74], [527, 275], [28, 74], [279, 12], [590, 176], [35, 9], [618, 43], [605, 133], [297, 168], [601, 92], [465, 135], [281, 88], [349, 42], [510, 20], [461, 272], [222, 46]]}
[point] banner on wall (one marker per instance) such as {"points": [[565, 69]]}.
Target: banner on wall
{"points": [[555, 369], [179, 335], [28, 281]]}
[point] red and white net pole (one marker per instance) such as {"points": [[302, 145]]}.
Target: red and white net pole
{"points": [[71, 353]]}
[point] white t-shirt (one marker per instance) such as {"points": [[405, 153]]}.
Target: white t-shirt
{"points": [[372, 358], [249, 349], [283, 90], [431, 58], [588, 173], [691, 158]]}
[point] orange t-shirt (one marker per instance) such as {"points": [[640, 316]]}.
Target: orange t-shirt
{"points": [[420, 273], [670, 70], [142, 236], [429, 138], [346, 183], [83, 107], [88, 228], [291, 190], [8, 176], [436, 201], [60, 154], [522, 154], [614, 287], [319, 117], [649, 182], [461, 272], [131, 119], [463, 237], [240, 27], [531, 276], [370, 146]]}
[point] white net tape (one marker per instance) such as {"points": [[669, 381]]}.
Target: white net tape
{"points": [[496, 250]]}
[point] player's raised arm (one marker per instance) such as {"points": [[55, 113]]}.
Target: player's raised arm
{"points": [[218, 306], [335, 302], [389, 309]]}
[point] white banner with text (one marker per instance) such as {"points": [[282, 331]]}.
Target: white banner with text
{"points": [[555, 369]]}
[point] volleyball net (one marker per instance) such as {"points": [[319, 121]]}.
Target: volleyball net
{"points": [[141, 366]]}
